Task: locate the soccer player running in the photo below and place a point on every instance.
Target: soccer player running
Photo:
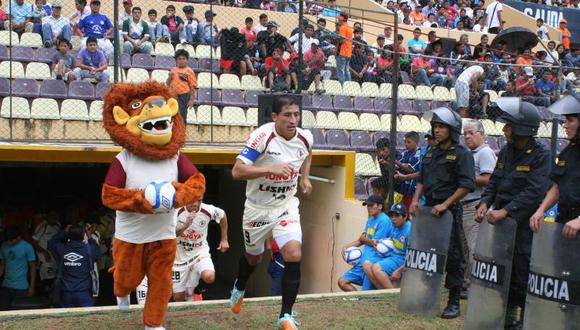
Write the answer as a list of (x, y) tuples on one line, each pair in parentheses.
[(192, 259), (270, 162)]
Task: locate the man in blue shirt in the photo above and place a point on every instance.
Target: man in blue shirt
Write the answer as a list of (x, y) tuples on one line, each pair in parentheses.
[(20, 17), (98, 26), (546, 87), (389, 268), (416, 45), (17, 264), (378, 226)]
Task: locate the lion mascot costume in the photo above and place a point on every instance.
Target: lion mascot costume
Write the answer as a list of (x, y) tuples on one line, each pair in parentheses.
[(145, 121)]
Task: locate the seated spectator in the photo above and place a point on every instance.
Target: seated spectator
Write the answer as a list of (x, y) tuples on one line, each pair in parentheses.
[(478, 99), (267, 5), (40, 10), (270, 39), (98, 27), (525, 58), (182, 83), (263, 26), (466, 82), (136, 34), (126, 13), (56, 27), (91, 62), (82, 11), (480, 26), (234, 54), (314, 60), (18, 265), (209, 30), (526, 89), (464, 20), (441, 18), (451, 13), (407, 168), (388, 31), (248, 30), (428, 9), (421, 70), (380, 43), (457, 58), (510, 90), (499, 76), (307, 39), (378, 227), (441, 71), (278, 71), (546, 87), (156, 31), (287, 6), (430, 22), (417, 16), (481, 47), (19, 17), (384, 63), (359, 65), (173, 25), (191, 26), (76, 282), (62, 63), (416, 45), (3, 16), (388, 269)]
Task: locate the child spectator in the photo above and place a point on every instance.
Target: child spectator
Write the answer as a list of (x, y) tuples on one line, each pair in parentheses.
[(91, 62), (173, 24), (156, 31), (377, 227), (382, 273), (191, 26), (182, 82), (278, 71), (408, 165)]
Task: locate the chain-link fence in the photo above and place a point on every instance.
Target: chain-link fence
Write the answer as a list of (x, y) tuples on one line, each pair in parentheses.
[(344, 70)]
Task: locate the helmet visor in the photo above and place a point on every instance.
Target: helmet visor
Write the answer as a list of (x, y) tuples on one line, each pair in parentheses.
[(510, 105), (444, 115), (568, 105)]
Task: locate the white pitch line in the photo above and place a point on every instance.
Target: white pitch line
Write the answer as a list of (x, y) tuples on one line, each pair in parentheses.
[(56, 311)]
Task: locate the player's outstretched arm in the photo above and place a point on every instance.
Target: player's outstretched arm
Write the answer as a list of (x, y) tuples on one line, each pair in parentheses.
[(242, 171)]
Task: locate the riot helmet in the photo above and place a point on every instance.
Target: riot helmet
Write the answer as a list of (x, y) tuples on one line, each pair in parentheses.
[(446, 117), (567, 106), (523, 117)]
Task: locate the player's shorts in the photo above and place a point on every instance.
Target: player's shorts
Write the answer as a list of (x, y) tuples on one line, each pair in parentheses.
[(186, 275), (355, 275), (282, 223), (390, 264)]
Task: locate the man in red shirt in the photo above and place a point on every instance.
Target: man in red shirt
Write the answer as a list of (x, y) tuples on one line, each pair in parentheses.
[(314, 59), (278, 70)]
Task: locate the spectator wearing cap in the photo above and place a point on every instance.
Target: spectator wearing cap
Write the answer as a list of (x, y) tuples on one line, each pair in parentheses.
[(417, 16), (431, 143), (19, 15), (526, 88), (343, 49), (331, 10), (381, 42), (209, 30), (126, 14), (566, 34), (173, 25), (382, 273), (192, 27), (377, 227), (136, 34), (269, 39), (55, 27), (97, 26), (18, 265)]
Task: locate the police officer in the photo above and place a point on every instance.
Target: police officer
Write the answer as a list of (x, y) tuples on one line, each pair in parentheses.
[(516, 188), (565, 174), (446, 177)]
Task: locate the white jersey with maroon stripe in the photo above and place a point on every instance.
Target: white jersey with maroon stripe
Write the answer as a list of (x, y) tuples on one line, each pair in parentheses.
[(266, 147), (193, 241)]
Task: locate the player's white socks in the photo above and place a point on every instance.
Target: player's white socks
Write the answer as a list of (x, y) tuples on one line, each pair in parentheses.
[(154, 328), (124, 303)]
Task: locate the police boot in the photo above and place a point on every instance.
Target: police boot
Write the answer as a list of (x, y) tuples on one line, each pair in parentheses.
[(511, 318), (453, 309)]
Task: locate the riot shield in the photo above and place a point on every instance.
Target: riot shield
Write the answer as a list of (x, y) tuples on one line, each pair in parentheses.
[(425, 262), (553, 299), (490, 275)]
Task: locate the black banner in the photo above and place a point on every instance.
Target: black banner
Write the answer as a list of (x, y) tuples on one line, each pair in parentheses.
[(554, 288), (487, 271), (551, 16), (429, 262)]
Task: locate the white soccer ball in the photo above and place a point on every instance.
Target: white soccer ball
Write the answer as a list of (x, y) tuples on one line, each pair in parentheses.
[(161, 195), (352, 255), (385, 247)]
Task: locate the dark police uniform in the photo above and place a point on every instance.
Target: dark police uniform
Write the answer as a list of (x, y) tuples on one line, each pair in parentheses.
[(566, 173), (442, 173), (518, 184)]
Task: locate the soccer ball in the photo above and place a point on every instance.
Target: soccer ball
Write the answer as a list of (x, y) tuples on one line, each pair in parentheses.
[(352, 255), (161, 195), (385, 247)]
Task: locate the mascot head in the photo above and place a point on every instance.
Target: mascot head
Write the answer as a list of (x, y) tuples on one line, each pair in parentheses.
[(144, 119)]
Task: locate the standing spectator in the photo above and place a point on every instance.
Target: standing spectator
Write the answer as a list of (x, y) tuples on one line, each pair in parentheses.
[(98, 27), (82, 11), (331, 10), (494, 16), (408, 165), (479, 12), (553, 54), (55, 27), (416, 45), (542, 30), (17, 264), (91, 62), (3, 16), (209, 29), (173, 24), (320, 28), (344, 49), (136, 34), (484, 160), (314, 59), (359, 65), (182, 83), (478, 98), (19, 17), (464, 84), (566, 34), (191, 26), (417, 16), (76, 259), (156, 31), (278, 71), (62, 63), (43, 232)]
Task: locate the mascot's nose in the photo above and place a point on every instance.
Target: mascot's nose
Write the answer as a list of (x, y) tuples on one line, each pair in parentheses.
[(156, 102)]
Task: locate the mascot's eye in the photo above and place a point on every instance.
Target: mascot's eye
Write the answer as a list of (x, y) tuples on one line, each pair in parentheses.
[(136, 105)]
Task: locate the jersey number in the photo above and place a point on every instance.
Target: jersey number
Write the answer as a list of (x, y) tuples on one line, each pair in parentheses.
[(247, 235)]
